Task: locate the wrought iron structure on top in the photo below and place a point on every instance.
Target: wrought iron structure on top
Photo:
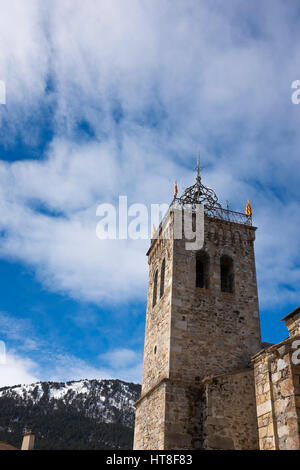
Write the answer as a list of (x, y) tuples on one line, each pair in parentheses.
[(200, 194)]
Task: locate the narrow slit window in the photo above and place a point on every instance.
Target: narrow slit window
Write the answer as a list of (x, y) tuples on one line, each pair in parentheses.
[(202, 270), (155, 289), (162, 278), (227, 274)]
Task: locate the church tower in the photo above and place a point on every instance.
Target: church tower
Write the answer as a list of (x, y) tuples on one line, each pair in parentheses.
[(202, 328)]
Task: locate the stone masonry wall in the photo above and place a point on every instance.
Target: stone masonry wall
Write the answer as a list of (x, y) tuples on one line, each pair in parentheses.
[(213, 332), (149, 432), (192, 333), (277, 383), (292, 322), (150, 409), (218, 413), (183, 422), (158, 318), (231, 421)]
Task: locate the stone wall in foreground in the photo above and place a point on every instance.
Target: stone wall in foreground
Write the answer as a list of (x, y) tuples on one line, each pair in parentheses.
[(277, 384)]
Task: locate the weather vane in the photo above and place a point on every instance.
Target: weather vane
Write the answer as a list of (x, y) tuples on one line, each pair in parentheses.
[(198, 169)]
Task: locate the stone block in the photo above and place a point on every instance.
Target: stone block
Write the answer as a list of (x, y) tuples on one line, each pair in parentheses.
[(264, 408), (221, 443)]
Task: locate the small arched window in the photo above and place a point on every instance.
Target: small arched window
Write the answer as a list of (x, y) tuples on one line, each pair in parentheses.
[(162, 278), (202, 270), (155, 288), (227, 274)]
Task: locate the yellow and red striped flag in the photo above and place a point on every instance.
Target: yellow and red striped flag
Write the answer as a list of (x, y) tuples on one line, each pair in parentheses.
[(248, 209), (175, 189)]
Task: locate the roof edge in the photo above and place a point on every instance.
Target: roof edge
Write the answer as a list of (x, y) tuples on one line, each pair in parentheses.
[(290, 315)]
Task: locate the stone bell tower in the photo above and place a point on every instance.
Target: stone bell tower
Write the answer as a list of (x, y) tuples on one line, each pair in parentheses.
[(202, 328)]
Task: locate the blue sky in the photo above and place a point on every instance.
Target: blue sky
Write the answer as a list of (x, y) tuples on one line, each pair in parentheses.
[(115, 98)]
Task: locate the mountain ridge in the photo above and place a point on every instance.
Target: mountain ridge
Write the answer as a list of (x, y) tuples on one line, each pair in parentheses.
[(78, 414)]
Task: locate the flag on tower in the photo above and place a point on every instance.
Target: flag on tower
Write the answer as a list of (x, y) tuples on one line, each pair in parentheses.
[(175, 189), (248, 209), (153, 230)]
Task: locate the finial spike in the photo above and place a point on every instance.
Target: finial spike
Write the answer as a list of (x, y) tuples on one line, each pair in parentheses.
[(198, 168)]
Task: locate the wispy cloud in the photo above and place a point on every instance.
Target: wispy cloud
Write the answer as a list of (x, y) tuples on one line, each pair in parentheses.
[(16, 331), (119, 357), (18, 370), (30, 358), (131, 91), (67, 367)]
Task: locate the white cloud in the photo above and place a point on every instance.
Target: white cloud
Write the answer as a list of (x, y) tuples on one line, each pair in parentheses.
[(17, 370), (63, 367), (277, 255), (119, 357), (24, 55), (65, 251), (66, 367), (54, 365), (27, 358), (17, 331), (181, 75)]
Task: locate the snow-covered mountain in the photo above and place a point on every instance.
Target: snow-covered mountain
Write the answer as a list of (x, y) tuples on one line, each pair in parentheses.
[(100, 413)]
